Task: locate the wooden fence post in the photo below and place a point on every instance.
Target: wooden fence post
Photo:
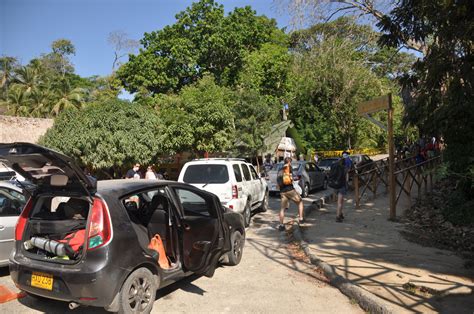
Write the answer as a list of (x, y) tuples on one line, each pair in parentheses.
[(391, 160), (356, 190)]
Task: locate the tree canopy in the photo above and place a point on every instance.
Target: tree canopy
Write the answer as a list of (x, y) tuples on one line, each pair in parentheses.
[(198, 119), (114, 134), (203, 40)]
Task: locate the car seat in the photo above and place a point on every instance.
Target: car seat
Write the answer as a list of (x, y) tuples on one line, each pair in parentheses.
[(158, 223)]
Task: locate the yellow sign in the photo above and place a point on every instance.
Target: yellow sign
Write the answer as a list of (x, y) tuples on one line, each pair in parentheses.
[(373, 105), (42, 280)]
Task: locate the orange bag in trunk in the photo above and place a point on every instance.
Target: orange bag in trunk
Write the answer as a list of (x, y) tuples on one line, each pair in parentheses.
[(156, 244)]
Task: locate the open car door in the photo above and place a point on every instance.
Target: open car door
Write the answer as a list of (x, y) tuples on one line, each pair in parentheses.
[(202, 229), (48, 169)]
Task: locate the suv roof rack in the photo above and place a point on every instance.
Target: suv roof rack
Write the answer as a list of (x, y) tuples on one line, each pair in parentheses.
[(226, 159)]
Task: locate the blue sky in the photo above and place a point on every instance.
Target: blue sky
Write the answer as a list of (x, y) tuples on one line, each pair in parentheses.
[(27, 27)]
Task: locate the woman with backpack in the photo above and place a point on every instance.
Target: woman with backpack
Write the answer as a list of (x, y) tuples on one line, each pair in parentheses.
[(288, 192)]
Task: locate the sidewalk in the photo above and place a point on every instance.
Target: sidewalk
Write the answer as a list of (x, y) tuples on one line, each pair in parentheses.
[(368, 250)]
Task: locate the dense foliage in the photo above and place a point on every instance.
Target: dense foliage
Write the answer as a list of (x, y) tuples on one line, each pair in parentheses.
[(203, 40), (198, 119), (441, 83), (48, 84), (217, 81), (110, 135), (336, 66)]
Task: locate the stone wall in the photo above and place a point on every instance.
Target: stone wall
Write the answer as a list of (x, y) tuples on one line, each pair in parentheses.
[(20, 129)]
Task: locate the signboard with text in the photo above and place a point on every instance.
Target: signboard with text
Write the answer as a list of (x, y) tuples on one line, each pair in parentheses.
[(373, 105)]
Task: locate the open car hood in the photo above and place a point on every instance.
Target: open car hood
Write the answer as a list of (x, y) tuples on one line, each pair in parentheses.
[(49, 170)]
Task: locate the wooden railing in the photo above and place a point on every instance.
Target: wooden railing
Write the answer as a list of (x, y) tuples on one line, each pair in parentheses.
[(374, 177)]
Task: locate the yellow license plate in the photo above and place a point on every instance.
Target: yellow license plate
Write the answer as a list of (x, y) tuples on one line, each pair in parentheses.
[(42, 280)]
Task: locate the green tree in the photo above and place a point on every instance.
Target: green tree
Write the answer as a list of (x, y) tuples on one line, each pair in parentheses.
[(8, 66), (27, 78), (111, 135), (326, 85), (254, 115), (441, 82), (17, 102), (266, 70), (201, 41), (199, 119), (67, 97)]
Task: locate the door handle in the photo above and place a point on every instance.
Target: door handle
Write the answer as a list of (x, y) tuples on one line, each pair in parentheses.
[(2, 228), (187, 227)]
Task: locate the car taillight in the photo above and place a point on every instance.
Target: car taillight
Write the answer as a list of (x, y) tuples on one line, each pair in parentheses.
[(21, 223), (100, 229), (235, 192)]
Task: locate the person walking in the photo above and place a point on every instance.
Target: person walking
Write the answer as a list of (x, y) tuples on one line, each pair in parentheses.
[(338, 180), (288, 192)]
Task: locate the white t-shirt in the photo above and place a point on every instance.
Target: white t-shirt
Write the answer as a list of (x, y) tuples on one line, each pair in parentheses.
[(150, 175)]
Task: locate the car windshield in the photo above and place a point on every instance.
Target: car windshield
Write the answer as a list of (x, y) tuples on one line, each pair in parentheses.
[(206, 174), (326, 162)]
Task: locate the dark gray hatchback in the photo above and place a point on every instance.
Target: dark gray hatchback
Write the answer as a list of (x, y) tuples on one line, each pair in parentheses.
[(113, 245)]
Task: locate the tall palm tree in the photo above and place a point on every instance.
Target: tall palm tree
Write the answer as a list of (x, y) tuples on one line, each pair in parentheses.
[(27, 77), (41, 102), (67, 97), (7, 66), (18, 102)]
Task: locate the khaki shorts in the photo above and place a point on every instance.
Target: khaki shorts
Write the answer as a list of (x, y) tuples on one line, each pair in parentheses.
[(287, 196)]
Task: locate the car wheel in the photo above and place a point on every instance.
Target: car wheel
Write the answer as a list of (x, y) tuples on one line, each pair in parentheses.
[(305, 192), (325, 184), (138, 292), (237, 242), (264, 206), (247, 214)]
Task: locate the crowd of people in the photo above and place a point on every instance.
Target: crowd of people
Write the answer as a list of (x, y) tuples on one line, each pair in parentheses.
[(150, 173), (422, 149)]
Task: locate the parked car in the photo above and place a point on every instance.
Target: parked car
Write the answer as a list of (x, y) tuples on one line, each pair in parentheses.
[(12, 201), (306, 174), (90, 244), (233, 180), (361, 162), (326, 163)]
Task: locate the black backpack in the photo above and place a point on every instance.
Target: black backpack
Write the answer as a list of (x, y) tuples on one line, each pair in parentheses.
[(337, 176)]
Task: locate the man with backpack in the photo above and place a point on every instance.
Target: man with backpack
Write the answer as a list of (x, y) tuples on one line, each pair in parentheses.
[(288, 192), (338, 177)]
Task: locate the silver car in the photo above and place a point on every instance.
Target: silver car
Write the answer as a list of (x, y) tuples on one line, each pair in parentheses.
[(306, 174), (12, 201)]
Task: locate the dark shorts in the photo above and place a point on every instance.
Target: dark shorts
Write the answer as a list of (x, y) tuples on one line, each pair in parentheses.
[(342, 190)]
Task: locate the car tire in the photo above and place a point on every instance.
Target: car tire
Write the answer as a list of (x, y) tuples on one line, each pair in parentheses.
[(237, 241), (247, 214), (138, 292), (305, 192), (264, 207)]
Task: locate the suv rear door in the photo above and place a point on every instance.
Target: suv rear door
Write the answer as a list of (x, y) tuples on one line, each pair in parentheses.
[(209, 176), (201, 229)]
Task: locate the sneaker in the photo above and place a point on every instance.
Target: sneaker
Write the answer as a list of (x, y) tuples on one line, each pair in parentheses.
[(281, 227), (301, 221), (339, 219)]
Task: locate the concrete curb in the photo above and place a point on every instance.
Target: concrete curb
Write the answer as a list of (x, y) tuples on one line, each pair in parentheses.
[(366, 300)]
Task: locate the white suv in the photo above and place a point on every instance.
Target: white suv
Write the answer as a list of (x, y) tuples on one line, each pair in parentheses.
[(234, 181)]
